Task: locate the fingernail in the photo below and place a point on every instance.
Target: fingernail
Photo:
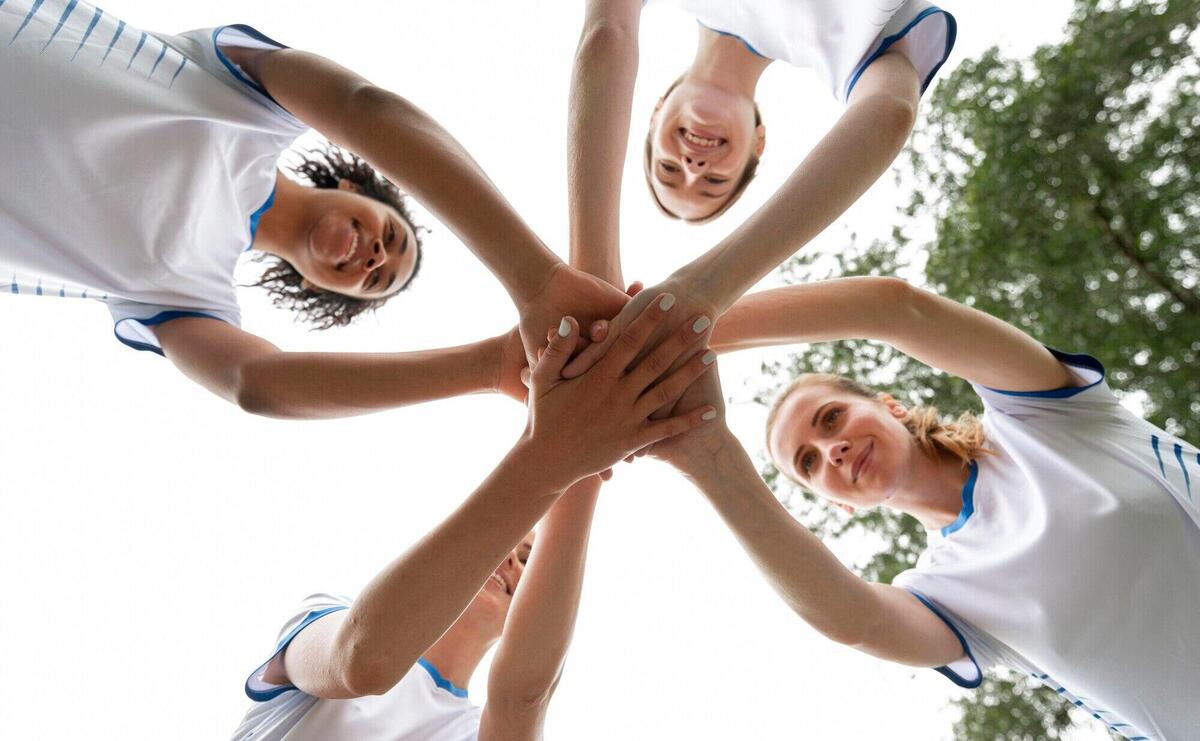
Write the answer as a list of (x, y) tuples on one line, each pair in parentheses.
[(564, 328), (700, 325), (666, 302), (710, 415), (709, 357)]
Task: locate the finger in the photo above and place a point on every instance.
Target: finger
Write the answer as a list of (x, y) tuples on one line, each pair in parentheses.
[(672, 426), (591, 355), (668, 353), (634, 288), (599, 330), (631, 340), (525, 376), (556, 354), (606, 474), (666, 392)]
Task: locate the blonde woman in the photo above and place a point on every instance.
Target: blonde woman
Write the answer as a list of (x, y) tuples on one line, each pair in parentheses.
[(1064, 532)]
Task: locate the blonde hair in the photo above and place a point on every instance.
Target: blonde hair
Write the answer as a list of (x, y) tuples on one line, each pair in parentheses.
[(963, 438)]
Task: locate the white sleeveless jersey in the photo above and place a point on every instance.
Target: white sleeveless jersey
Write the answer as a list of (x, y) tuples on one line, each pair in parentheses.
[(423, 706), (1076, 557), (136, 164), (836, 38)]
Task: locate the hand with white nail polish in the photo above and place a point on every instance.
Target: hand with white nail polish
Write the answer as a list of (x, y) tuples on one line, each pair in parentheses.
[(582, 426), (701, 444)]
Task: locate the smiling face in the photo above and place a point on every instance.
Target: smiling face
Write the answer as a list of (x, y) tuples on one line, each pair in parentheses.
[(701, 143), (851, 449), (489, 609), (356, 246)]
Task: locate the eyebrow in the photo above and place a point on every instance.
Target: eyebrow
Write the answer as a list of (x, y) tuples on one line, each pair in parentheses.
[(818, 412), (664, 183)]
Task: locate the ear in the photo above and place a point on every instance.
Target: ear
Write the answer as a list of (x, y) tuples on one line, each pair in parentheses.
[(847, 508), (897, 410), (760, 140), (349, 185), (305, 285)]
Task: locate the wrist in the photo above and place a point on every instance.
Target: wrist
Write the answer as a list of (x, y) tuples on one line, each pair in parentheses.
[(697, 280), (543, 472), (537, 273), (706, 455)]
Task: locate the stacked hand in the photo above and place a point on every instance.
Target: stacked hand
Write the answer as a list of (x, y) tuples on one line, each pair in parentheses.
[(569, 292), (584, 425)]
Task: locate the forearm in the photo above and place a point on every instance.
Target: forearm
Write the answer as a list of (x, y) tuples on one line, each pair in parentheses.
[(417, 154), (301, 385), (839, 169), (839, 309), (541, 619), (808, 577), (411, 602), (601, 99)]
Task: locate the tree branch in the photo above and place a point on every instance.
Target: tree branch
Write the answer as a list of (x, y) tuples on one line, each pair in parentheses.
[(1189, 300)]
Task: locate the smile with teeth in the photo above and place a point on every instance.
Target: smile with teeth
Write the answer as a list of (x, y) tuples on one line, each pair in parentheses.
[(701, 141), (349, 253), (861, 463), (501, 583)]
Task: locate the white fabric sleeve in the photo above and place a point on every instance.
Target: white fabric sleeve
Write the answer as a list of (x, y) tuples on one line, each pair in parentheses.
[(313, 608), (134, 322), (1090, 393), (931, 33)]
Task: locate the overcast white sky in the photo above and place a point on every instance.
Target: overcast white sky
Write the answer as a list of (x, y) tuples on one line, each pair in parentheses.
[(153, 538)]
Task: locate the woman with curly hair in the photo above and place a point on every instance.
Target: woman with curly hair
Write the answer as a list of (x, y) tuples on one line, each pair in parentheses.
[(1064, 530), (141, 166)]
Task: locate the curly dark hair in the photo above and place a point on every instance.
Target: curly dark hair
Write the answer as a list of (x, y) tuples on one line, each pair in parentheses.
[(325, 168), (747, 175)]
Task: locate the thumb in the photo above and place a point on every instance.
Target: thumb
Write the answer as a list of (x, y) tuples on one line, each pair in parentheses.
[(634, 288), (558, 352)]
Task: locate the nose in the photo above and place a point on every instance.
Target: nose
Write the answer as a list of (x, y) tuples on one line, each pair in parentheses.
[(836, 452), (377, 257), (694, 165)]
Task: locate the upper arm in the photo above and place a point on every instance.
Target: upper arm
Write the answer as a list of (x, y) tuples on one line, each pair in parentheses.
[(903, 630), (212, 353), (623, 14), (512, 721), (970, 343), (310, 661), (890, 81)]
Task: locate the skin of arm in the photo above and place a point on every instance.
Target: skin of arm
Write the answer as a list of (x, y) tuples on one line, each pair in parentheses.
[(847, 161), (575, 429), (262, 379), (423, 159), (877, 619), (541, 620), (601, 100), (941, 333)]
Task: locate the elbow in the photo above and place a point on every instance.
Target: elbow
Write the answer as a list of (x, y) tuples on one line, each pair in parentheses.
[(605, 39), (252, 393), (528, 696), (362, 675), (893, 117)]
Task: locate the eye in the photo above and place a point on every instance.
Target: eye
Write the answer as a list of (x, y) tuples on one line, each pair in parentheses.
[(391, 236), (807, 461), (668, 167), (716, 181), (373, 279), (831, 417)]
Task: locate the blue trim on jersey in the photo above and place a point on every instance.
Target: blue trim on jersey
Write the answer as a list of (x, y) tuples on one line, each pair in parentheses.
[(158, 61), (66, 14), (968, 502), (233, 68), (276, 691), (944, 671), (951, 37), (32, 12), (111, 44), (1187, 479), (181, 66), (1079, 360), (87, 34), (138, 50), (439, 680), (254, 217), (1162, 470), (159, 318), (745, 43)]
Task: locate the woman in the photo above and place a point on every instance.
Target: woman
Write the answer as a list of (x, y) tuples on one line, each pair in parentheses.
[(706, 136), (392, 664), (1064, 534), (141, 166)]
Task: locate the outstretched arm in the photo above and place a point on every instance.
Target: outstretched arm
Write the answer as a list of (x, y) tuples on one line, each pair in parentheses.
[(941, 333), (262, 379), (601, 98), (541, 620), (852, 156)]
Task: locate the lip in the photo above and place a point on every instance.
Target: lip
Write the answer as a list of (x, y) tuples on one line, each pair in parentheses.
[(502, 582), (352, 244), (687, 136), (863, 460)]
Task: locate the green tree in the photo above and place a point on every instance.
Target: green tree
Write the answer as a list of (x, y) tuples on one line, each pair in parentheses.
[(1060, 194)]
